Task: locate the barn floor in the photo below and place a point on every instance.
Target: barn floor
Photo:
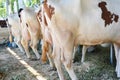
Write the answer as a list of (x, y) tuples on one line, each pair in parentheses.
[(15, 66)]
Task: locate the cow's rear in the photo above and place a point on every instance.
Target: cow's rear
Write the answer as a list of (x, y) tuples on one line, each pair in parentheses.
[(81, 22)]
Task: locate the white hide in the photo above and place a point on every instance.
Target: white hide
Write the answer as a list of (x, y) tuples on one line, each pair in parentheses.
[(79, 22)]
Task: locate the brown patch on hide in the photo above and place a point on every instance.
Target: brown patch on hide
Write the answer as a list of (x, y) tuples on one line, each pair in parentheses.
[(44, 51), (107, 16), (48, 9), (39, 14)]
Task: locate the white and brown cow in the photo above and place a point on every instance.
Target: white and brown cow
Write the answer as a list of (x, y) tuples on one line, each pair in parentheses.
[(14, 28), (81, 22), (31, 30), (46, 41)]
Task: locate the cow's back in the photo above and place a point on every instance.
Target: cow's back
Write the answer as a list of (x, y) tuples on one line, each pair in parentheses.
[(29, 17), (100, 22), (86, 20)]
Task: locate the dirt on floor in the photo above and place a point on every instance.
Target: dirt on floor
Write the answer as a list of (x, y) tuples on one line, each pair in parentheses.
[(96, 66)]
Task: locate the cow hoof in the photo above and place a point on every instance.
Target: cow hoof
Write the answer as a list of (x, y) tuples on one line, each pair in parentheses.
[(33, 59), (118, 74), (52, 69), (38, 58)]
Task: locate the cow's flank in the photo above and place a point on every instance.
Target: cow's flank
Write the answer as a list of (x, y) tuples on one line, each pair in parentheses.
[(86, 21)]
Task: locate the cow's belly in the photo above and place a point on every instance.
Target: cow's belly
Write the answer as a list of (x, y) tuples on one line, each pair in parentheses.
[(97, 34)]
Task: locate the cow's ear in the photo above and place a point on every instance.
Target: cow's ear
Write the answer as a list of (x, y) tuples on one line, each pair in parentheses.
[(19, 11)]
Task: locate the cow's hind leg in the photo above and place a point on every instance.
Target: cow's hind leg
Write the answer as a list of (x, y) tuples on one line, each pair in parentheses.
[(18, 42), (57, 62), (49, 55), (34, 46), (68, 63), (26, 47), (117, 54)]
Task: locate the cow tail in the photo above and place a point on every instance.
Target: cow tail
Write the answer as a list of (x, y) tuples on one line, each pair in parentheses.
[(10, 32), (44, 51)]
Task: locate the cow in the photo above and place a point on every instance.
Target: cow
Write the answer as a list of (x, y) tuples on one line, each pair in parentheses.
[(81, 22), (46, 42), (31, 30), (14, 28)]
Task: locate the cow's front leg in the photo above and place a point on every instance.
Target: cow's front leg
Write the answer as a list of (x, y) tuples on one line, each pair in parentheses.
[(117, 55), (84, 50)]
